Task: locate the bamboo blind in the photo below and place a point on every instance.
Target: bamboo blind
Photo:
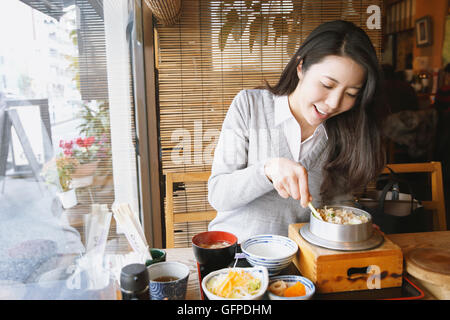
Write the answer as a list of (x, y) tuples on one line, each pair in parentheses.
[(93, 84), (92, 52), (217, 49)]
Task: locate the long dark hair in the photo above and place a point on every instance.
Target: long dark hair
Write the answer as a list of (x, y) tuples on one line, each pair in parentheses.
[(355, 148)]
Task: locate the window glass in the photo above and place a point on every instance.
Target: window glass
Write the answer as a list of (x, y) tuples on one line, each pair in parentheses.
[(66, 142)]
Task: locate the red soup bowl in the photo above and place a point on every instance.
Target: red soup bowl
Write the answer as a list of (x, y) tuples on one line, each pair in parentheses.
[(214, 249)]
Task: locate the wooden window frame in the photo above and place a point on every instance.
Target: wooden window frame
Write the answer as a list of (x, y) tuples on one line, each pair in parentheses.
[(147, 129)]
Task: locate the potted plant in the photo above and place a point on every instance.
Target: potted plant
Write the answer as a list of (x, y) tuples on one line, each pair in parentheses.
[(59, 172), (96, 144), (84, 151)]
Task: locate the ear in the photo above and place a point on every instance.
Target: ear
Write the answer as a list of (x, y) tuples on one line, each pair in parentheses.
[(300, 70)]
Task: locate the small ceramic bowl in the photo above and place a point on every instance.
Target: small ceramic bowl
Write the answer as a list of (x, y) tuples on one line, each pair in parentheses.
[(165, 289), (158, 255), (291, 280), (214, 258), (257, 272), (271, 251)]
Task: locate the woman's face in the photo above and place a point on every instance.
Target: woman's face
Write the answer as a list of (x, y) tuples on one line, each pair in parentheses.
[(327, 89)]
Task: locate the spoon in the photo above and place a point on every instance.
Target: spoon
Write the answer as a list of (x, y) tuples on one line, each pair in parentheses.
[(314, 211)]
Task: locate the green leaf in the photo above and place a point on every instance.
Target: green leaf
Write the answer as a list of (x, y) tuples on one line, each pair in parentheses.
[(257, 6), (265, 31), (239, 27), (259, 31), (223, 35), (255, 31), (232, 19), (279, 25), (293, 39)]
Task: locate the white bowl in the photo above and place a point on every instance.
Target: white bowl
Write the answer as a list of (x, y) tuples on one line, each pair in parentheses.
[(271, 251), (257, 272), (292, 279)]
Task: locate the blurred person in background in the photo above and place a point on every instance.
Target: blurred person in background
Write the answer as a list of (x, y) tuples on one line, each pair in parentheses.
[(400, 95)]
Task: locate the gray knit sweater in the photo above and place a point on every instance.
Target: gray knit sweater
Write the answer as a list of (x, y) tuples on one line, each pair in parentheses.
[(246, 201)]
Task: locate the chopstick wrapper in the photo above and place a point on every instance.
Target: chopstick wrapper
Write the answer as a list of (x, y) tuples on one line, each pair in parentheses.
[(91, 266), (115, 262), (98, 228), (127, 220)]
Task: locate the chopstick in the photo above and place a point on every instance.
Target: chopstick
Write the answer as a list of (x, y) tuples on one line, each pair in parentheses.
[(314, 211)]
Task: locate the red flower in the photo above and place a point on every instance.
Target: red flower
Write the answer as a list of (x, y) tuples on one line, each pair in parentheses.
[(86, 142), (89, 141), (66, 145), (80, 142), (68, 152)]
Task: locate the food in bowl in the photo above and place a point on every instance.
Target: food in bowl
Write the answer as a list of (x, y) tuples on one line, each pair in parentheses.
[(341, 216), (236, 284), (214, 249), (290, 287), (259, 273), (286, 289), (215, 245)]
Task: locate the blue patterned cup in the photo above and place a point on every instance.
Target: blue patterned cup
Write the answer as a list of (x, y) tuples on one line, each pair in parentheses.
[(168, 280)]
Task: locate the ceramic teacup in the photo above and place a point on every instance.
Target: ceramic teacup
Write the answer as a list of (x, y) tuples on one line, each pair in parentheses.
[(168, 280), (158, 255)]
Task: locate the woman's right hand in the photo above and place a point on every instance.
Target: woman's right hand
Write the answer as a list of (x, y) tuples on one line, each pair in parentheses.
[(289, 178)]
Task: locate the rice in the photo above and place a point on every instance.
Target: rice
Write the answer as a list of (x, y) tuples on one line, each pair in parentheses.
[(341, 216)]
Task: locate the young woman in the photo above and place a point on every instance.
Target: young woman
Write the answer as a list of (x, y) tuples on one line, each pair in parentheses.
[(311, 137)]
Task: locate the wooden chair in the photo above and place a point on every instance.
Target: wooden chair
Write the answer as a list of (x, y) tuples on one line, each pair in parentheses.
[(437, 203), (170, 217)]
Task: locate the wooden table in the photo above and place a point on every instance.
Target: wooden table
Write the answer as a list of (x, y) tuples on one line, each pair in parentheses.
[(407, 242), (186, 256)]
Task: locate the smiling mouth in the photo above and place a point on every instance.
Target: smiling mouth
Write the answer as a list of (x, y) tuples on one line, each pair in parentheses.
[(320, 112)]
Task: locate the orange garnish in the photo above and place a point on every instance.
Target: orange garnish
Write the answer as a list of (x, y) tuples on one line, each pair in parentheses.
[(297, 290)]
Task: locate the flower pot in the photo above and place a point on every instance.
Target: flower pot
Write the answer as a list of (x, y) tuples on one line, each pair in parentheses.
[(81, 182), (103, 180), (83, 176), (68, 199), (85, 169)]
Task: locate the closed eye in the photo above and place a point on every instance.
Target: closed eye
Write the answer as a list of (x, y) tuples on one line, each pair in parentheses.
[(330, 87)]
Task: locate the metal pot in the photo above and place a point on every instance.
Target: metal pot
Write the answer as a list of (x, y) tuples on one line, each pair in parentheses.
[(342, 232)]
